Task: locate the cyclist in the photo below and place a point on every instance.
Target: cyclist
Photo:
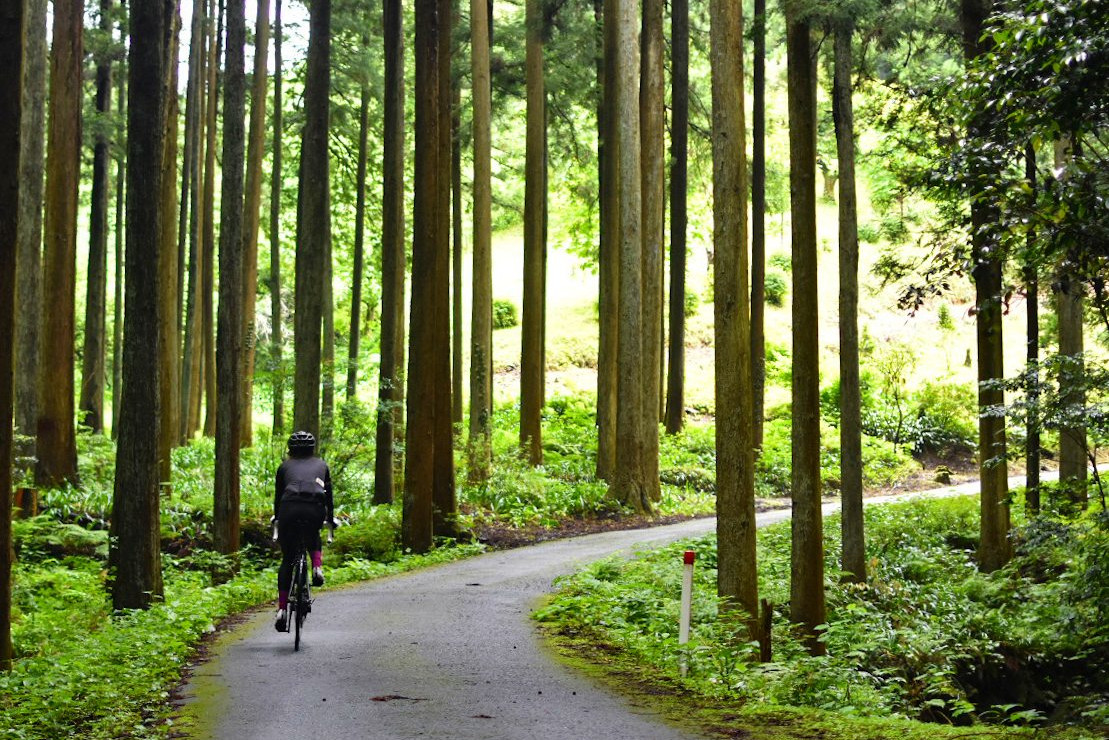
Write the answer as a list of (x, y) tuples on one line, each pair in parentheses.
[(302, 502)]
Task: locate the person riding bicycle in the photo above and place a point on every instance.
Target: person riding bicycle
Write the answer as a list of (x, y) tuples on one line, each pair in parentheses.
[(302, 502)]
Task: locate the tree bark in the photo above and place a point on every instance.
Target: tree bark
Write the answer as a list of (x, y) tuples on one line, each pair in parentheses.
[(134, 554), (313, 223), (444, 506), (276, 311), (96, 301), (169, 353), (390, 384), (255, 154), (421, 437), (229, 338), (758, 222), (850, 404), (117, 305), (481, 322), (610, 239), (13, 28), (994, 548), (28, 262), (208, 279), (56, 444), (652, 122), (629, 485), (1032, 289), (359, 241), (533, 353), (679, 186), (327, 369), (191, 195), (737, 575), (806, 591), (457, 335)]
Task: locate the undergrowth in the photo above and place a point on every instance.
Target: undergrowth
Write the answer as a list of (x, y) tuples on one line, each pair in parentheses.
[(928, 637)]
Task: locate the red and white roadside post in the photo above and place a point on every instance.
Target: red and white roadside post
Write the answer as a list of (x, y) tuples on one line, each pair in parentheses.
[(687, 604)]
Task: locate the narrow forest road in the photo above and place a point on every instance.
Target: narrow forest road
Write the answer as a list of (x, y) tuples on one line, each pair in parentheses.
[(447, 652)]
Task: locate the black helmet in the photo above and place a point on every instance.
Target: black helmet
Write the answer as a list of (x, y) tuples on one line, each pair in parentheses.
[(302, 442)]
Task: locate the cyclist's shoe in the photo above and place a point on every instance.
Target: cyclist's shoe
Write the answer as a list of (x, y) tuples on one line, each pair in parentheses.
[(317, 576), (280, 624)]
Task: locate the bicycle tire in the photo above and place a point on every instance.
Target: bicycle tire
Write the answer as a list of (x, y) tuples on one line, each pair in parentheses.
[(299, 584)]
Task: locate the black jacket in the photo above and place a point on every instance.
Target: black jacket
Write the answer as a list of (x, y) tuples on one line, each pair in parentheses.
[(304, 479)]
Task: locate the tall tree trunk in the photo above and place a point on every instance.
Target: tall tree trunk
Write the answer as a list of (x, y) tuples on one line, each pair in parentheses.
[(533, 359), (191, 194), (481, 321), (457, 338), (421, 437), (168, 346), (806, 591), (610, 240), (229, 338), (444, 506), (629, 485), (12, 32), (359, 241), (1069, 294), (313, 222), (276, 311), (758, 221), (1032, 289), (56, 444), (652, 122), (134, 554), (390, 399), (327, 369), (117, 303), (28, 263), (994, 548), (737, 576), (850, 404), (255, 153), (679, 186), (208, 279), (96, 302)]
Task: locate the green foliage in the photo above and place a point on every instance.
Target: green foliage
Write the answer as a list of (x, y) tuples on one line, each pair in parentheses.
[(691, 303), (505, 315), (776, 287), (781, 261), (927, 637), (373, 535), (943, 318)]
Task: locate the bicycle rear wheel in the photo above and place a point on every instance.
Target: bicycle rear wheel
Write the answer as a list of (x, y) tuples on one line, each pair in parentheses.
[(300, 598)]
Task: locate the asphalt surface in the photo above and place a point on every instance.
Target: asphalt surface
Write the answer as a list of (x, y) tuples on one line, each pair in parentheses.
[(447, 652)]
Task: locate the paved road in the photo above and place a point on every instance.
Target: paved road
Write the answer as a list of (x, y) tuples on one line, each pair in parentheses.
[(447, 652)]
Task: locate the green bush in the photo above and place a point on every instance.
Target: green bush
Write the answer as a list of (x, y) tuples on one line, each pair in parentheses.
[(782, 261), (776, 287), (372, 535), (692, 303), (505, 315)]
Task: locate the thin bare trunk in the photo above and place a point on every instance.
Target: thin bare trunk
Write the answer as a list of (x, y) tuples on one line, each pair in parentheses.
[(850, 424), (758, 222), (806, 591), (12, 29), (28, 263), (56, 444), (652, 121), (134, 556), (390, 388), (628, 484), (481, 322), (359, 241), (610, 239), (208, 279), (168, 347), (92, 364), (276, 311), (117, 307), (457, 339), (327, 370), (255, 154), (679, 185), (737, 577), (533, 360), (1032, 290), (421, 437), (313, 222)]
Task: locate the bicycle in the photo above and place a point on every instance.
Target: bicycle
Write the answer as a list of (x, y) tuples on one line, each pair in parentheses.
[(299, 604)]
